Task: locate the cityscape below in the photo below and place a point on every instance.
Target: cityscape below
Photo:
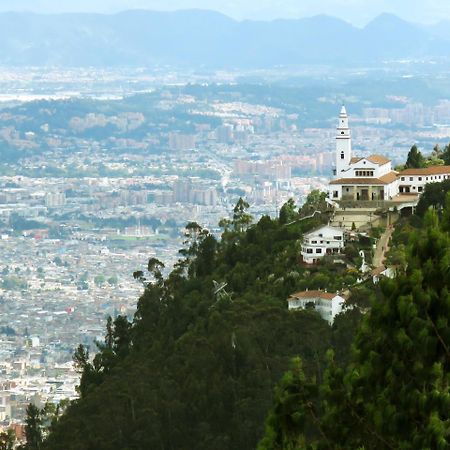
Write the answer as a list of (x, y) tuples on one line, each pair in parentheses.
[(101, 169)]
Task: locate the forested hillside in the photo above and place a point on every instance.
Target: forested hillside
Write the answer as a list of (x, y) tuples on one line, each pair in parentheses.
[(197, 366), (394, 393)]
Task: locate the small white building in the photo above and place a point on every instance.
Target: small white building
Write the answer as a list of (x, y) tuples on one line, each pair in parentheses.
[(413, 181), (323, 241), (382, 272), (326, 304)]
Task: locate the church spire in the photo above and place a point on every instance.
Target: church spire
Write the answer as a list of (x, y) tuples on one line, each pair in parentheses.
[(343, 143), (343, 119)]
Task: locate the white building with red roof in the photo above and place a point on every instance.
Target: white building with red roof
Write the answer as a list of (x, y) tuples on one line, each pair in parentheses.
[(360, 178), (371, 178), (328, 305), (413, 181)]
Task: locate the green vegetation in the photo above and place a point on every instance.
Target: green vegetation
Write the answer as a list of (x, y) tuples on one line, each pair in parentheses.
[(197, 365), (394, 392), (37, 424), (415, 158), (7, 440), (14, 283), (434, 195)]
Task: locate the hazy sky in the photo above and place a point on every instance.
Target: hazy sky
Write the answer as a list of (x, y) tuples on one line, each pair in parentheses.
[(358, 12)]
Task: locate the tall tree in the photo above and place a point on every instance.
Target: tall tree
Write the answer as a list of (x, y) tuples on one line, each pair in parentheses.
[(241, 218), (415, 159), (288, 212), (446, 155), (33, 428)]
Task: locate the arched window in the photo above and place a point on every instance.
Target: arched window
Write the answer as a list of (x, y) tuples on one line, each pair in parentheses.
[(342, 155)]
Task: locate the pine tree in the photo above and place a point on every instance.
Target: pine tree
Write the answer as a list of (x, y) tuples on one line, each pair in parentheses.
[(395, 392), (446, 154), (33, 428), (415, 158)]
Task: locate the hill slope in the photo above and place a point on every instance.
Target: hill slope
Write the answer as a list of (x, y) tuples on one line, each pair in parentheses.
[(196, 369)]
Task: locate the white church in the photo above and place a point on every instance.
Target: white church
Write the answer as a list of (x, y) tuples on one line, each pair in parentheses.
[(371, 178), (366, 179)]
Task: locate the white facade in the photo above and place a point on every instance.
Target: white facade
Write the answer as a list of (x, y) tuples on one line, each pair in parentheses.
[(370, 167), (343, 143), (5, 405), (323, 241), (360, 179), (414, 180), (382, 272), (327, 305)]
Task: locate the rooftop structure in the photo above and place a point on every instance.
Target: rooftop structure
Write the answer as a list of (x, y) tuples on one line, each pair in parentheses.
[(328, 305)]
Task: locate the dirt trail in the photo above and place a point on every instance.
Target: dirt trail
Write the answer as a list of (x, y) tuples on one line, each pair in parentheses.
[(382, 247)]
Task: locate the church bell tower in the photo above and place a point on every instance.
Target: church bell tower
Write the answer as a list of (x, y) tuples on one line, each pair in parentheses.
[(343, 144)]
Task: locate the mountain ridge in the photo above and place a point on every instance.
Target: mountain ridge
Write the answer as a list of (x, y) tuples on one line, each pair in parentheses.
[(203, 38)]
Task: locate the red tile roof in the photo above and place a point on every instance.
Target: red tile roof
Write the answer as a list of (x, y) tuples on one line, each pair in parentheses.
[(385, 179), (376, 159), (313, 294), (432, 170), (389, 177)]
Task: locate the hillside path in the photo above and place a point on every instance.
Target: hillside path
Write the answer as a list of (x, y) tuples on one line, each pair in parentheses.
[(382, 247)]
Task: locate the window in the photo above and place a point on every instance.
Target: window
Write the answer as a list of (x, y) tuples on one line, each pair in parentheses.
[(410, 178), (420, 189), (314, 242), (309, 250), (320, 235), (342, 155), (335, 194), (342, 132), (337, 238), (420, 178), (318, 250), (403, 178), (426, 178), (364, 173)]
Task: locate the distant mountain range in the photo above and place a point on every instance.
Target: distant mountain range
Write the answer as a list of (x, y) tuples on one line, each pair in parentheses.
[(209, 39)]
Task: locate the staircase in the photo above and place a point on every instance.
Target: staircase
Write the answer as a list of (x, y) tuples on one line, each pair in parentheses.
[(361, 217)]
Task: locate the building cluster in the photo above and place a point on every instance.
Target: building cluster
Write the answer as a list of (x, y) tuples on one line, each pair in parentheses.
[(365, 185), (410, 114), (371, 178)]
